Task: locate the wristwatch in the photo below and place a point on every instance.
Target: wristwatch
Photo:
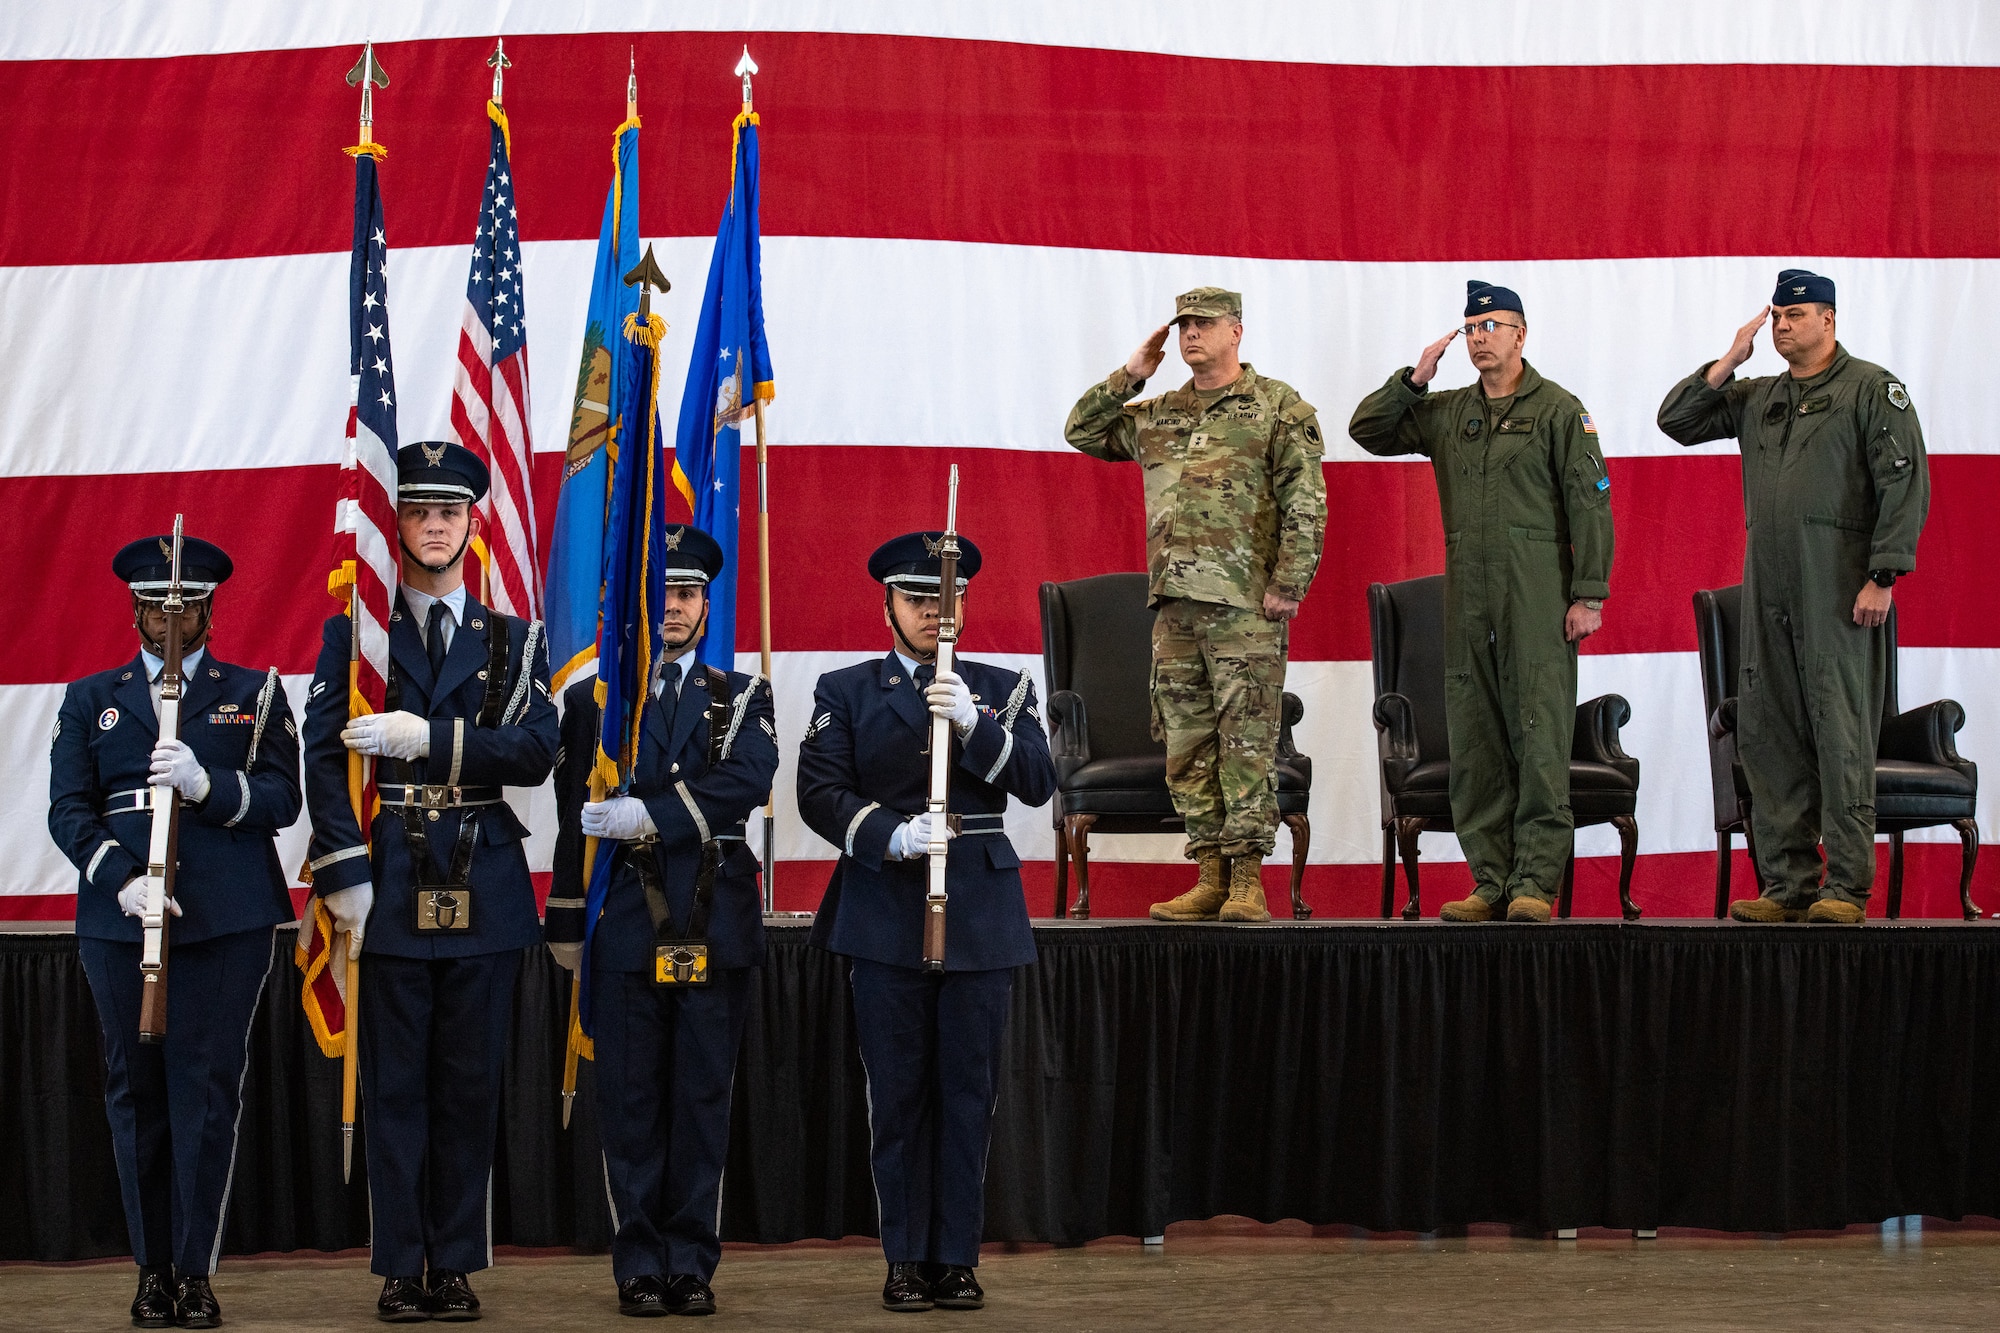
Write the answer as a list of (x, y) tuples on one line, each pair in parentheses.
[(1591, 603), (1882, 578)]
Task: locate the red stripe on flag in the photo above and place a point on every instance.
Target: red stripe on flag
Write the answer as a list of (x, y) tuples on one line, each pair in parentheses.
[(1020, 144)]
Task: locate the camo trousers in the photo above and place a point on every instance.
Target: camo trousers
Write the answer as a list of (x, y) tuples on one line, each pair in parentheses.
[(1218, 692)]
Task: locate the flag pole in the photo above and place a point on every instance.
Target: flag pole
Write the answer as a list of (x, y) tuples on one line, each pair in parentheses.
[(746, 67), (369, 75)]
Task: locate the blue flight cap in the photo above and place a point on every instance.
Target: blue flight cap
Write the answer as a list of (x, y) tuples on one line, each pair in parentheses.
[(692, 556), (441, 472), (911, 562), (147, 566), (1797, 286), (1483, 298)]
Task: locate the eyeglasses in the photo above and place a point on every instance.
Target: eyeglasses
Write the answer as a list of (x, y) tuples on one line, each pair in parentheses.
[(1488, 325)]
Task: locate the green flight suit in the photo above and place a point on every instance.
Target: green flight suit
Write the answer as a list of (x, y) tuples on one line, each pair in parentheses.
[(1235, 504), (1835, 484), (1527, 531)]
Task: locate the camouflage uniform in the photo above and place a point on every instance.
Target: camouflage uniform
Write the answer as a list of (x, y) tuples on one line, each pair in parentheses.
[(1235, 504)]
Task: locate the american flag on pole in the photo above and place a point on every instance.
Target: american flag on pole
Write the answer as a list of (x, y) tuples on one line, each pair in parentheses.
[(489, 410), (366, 567)]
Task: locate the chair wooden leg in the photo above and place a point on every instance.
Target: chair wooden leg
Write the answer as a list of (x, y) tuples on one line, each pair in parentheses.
[(1406, 838), (1079, 851), (1628, 854), (1063, 869), (1968, 835), (1301, 828), (1569, 881), (1388, 869), (1723, 854), (1896, 875)]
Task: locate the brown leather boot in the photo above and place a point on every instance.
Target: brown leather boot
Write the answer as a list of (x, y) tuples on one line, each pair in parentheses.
[(1246, 891), (1201, 902), (1838, 911), (1528, 909), (1474, 908), (1763, 911)]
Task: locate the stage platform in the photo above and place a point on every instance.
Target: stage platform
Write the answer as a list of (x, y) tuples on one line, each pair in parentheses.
[(1396, 1077)]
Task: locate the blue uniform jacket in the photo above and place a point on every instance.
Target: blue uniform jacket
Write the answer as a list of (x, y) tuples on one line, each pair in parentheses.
[(863, 771), (239, 725), (675, 781), (518, 752)]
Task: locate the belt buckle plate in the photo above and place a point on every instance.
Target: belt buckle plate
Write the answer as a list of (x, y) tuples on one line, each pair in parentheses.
[(436, 798)]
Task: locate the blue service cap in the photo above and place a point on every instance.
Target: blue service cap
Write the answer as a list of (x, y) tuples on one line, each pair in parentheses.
[(1483, 298), (441, 471), (147, 565), (911, 562), (1796, 286), (692, 556)]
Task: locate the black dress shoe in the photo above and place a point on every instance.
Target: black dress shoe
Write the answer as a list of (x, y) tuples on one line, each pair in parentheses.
[(451, 1296), (153, 1307), (644, 1296), (906, 1291), (955, 1288), (688, 1294), (194, 1304), (403, 1301)]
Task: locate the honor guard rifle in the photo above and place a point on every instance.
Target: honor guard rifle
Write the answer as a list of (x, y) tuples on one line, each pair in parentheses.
[(940, 846), (163, 849)]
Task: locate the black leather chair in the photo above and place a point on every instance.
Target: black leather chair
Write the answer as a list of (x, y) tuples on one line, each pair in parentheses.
[(1111, 775), (1921, 781), (1406, 624)]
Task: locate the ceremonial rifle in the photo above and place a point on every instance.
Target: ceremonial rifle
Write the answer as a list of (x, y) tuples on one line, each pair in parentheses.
[(934, 900), (163, 849)]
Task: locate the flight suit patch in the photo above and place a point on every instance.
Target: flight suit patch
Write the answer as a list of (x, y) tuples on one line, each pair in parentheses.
[(107, 719), (1898, 396), (1812, 405), (1472, 428), (1589, 426), (1515, 426)]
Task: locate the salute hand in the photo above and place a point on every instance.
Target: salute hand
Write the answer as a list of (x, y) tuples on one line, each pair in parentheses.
[(1739, 350), (1142, 363), (1427, 364)]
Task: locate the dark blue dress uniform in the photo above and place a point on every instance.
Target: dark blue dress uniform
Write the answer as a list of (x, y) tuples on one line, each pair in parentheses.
[(930, 1044), (174, 1106), (436, 1006), (666, 1055)]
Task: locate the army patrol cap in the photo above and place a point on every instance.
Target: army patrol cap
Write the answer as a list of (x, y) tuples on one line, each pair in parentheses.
[(1208, 303), (441, 472), (1483, 298), (911, 562), (692, 556), (147, 567), (1796, 286)]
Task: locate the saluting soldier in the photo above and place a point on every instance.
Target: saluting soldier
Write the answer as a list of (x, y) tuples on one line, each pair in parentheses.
[(669, 951), (930, 1042), (1235, 521), (439, 894), (174, 1105), (1527, 564), (1836, 486)]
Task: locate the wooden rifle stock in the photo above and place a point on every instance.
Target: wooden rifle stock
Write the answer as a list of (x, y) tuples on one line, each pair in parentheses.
[(163, 847), (940, 794)]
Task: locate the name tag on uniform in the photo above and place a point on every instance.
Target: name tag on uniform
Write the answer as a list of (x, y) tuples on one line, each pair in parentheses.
[(681, 963), (1515, 426), (1812, 405)]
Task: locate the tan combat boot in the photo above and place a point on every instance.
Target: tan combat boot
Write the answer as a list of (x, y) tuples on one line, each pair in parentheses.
[(1246, 891), (1201, 902), (1838, 911), (1763, 911), (1525, 908), (1474, 908)]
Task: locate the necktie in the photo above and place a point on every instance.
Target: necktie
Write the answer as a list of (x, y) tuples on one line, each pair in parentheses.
[(434, 639), (924, 675)]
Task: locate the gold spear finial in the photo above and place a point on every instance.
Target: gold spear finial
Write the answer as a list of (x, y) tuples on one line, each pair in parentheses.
[(746, 67), (632, 88), (500, 64), (367, 73)]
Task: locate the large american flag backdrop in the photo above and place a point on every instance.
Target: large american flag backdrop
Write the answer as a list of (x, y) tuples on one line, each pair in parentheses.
[(970, 213)]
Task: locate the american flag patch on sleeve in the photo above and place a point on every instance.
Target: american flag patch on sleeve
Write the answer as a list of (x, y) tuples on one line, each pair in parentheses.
[(1589, 426)]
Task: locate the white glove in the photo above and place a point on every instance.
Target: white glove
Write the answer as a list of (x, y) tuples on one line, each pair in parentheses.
[(389, 736), (174, 765), (567, 955), (350, 907), (948, 697), (622, 818), (912, 841), (132, 898)]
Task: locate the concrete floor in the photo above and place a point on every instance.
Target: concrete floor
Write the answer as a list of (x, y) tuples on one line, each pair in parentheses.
[(1259, 1277)]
